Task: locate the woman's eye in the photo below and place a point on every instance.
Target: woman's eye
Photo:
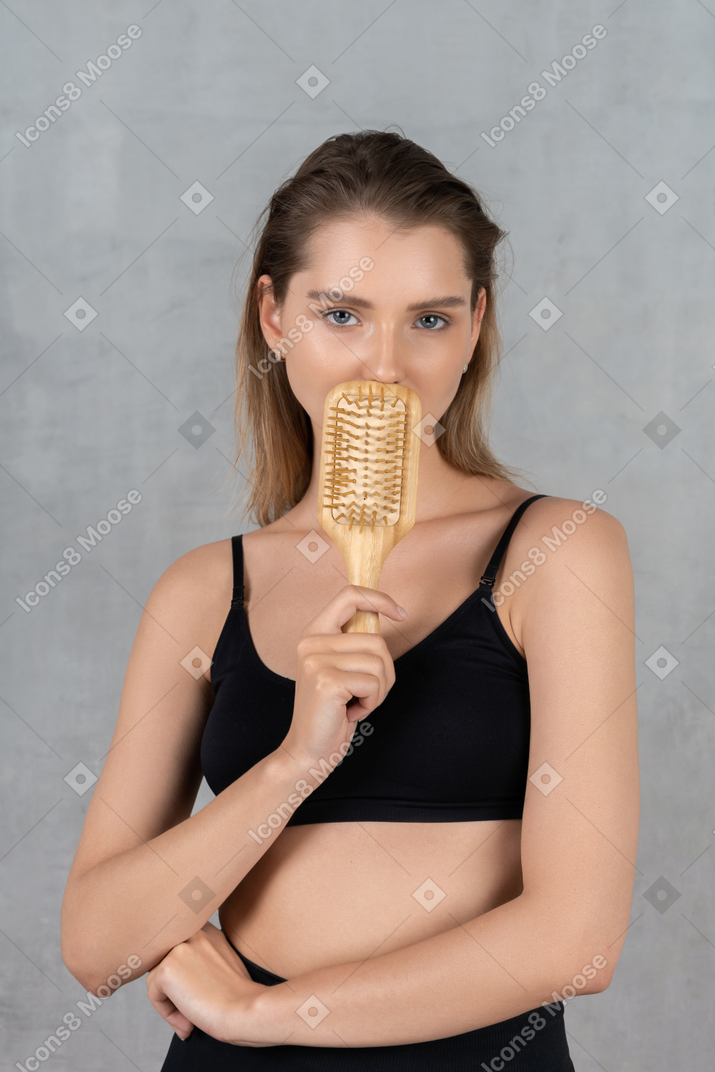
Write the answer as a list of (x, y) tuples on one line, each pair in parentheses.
[(344, 313), (337, 312), (434, 316)]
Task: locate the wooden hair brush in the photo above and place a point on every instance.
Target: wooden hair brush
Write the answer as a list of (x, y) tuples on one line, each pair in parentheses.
[(367, 491)]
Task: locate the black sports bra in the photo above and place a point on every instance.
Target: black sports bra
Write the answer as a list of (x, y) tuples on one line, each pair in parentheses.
[(449, 743)]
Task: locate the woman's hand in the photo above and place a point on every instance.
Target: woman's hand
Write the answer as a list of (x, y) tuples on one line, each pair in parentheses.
[(334, 667), (203, 983)]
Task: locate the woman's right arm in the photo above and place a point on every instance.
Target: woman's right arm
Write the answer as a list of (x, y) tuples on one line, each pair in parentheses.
[(147, 874)]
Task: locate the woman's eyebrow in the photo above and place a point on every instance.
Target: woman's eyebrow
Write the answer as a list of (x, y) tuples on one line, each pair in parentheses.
[(448, 301)]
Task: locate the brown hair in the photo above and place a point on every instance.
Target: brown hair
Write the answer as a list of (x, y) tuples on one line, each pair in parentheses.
[(385, 174)]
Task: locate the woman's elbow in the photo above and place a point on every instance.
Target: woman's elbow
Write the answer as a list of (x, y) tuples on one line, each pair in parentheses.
[(86, 973), (76, 967)]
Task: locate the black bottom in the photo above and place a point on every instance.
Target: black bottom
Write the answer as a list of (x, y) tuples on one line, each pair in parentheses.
[(532, 1042)]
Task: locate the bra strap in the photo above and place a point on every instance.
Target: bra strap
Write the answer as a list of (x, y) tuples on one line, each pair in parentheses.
[(489, 576), (238, 585)]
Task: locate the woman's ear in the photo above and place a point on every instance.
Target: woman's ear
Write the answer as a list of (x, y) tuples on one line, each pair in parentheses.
[(479, 310), (269, 313)]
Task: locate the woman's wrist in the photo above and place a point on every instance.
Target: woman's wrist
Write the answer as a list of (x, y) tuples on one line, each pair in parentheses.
[(254, 1018)]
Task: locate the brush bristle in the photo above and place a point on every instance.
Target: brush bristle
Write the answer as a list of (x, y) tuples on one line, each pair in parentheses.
[(365, 458)]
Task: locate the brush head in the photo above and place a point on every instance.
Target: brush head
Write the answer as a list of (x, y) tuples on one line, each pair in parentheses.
[(368, 464), (367, 488), (364, 437)]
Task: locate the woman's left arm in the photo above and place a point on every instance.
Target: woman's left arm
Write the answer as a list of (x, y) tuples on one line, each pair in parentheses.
[(563, 934)]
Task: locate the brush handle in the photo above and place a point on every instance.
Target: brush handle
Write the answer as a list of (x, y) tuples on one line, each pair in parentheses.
[(364, 567), (363, 621)]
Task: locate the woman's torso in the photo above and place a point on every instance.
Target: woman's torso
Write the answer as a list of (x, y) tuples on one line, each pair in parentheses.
[(328, 893)]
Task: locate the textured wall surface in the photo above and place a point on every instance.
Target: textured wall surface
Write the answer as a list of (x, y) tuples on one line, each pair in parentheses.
[(118, 323)]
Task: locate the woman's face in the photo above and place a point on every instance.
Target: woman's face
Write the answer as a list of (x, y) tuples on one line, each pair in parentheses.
[(405, 319)]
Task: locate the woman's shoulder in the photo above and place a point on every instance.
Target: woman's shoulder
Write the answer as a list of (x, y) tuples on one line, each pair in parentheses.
[(563, 516), (552, 522), (192, 596), (204, 575), (565, 550), (202, 568), (562, 539), (504, 494)]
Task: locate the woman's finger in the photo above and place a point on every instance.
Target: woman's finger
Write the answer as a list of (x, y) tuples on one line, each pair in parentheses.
[(165, 1006), (345, 603)]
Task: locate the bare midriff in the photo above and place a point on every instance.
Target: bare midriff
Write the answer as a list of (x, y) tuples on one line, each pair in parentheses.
[(331, 893)]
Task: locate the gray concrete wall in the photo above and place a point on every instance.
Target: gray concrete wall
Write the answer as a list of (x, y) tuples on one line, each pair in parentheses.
[(91, 210)]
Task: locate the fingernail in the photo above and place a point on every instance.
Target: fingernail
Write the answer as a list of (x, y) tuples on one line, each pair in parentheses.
[(402, 611)]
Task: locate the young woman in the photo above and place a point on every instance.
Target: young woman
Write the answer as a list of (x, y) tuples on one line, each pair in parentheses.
[(430, 901)]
